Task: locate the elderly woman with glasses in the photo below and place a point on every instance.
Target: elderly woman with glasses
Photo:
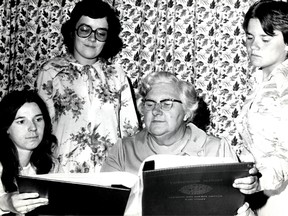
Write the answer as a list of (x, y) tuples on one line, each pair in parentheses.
[(87, 93), (168, 106)]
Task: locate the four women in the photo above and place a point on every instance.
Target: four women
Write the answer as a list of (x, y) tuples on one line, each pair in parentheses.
[(91, 106)]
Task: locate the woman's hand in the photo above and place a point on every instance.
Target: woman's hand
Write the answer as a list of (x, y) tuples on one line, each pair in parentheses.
[(21, 203), (249, 184), (245, 210)]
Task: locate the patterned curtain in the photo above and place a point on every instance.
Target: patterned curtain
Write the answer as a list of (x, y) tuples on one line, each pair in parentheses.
[(200, 41)]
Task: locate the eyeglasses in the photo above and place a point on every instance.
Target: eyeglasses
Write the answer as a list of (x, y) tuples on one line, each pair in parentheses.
[(165, 104), (85, 31)]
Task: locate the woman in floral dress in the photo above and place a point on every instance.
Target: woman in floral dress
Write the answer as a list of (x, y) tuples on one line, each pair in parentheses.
[(87, 93)]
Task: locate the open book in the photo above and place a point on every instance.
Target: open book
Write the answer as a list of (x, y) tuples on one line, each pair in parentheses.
[(187, 185), (193, 190), (80, 193), (174, 185)]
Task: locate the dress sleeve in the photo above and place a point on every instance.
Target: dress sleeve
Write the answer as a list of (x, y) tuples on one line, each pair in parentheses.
[(282, 132), (44, 85), (268, 129), (1, 211), (127, 114), (2, 192), (274, 166)]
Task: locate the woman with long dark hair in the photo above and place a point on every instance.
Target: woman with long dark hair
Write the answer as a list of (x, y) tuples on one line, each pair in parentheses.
[(26, 148)]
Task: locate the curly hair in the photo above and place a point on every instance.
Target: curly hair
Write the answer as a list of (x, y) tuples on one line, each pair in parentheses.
[(41, 157), (95, 9), (273, 15), (187, 91)]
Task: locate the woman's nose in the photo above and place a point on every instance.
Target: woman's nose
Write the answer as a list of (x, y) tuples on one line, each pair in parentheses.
[(157, 109), (255, 44), (92, 36), (32, 126)]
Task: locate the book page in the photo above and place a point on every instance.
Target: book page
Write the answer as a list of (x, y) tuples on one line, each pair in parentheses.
[(170, 161), (104, 179)]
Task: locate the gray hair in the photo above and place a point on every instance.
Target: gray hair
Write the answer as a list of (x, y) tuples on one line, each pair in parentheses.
[(188, 94)]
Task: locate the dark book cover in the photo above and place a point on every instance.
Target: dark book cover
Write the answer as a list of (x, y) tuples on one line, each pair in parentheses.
[(76, 198), (193, 190)]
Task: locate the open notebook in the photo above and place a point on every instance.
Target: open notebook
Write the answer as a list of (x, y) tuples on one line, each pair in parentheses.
[(187, 185), (193, 190), (80, 193)]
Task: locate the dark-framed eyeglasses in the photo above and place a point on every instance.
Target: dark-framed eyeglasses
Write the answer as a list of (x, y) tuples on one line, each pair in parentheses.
[(165, 104), (85, 31)]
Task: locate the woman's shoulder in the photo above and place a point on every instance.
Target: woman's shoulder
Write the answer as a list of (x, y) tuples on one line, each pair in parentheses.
[(54, 66), (213, 145), (281, 77), (221, 147), (58, 61), (135, 142)]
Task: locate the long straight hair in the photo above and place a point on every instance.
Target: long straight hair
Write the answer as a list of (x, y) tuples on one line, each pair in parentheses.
[(41, 157)]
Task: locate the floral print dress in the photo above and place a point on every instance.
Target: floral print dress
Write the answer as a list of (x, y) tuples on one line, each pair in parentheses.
[(90, 107)]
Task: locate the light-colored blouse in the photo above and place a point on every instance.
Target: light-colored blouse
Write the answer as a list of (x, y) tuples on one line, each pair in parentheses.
[(263, 125), (91, 107), (130, 152)]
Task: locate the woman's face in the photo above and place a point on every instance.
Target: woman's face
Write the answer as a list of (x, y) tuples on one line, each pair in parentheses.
[(87, 49), (162, 123), (27, 129), (264, 51)]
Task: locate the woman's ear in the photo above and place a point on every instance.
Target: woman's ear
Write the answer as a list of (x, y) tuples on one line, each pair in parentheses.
[(286, 47), (187, 115)]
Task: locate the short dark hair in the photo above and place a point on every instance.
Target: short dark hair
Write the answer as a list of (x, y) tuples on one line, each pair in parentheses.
[(95, 9), (273, 15), (41, 157)]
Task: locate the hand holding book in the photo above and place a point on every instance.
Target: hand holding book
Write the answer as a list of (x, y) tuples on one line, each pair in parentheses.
[(211, 176), (77, 193), (249, 184)]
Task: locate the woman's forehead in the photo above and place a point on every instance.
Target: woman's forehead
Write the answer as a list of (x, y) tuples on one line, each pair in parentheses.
[(28, 109), (94, 23), (164, 88)]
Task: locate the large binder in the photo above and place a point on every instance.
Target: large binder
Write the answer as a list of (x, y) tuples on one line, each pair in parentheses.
[(193, 190), (70, 195)]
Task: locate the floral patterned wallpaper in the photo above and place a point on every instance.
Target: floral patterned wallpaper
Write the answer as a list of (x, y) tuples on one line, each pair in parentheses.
[(199, 40)]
